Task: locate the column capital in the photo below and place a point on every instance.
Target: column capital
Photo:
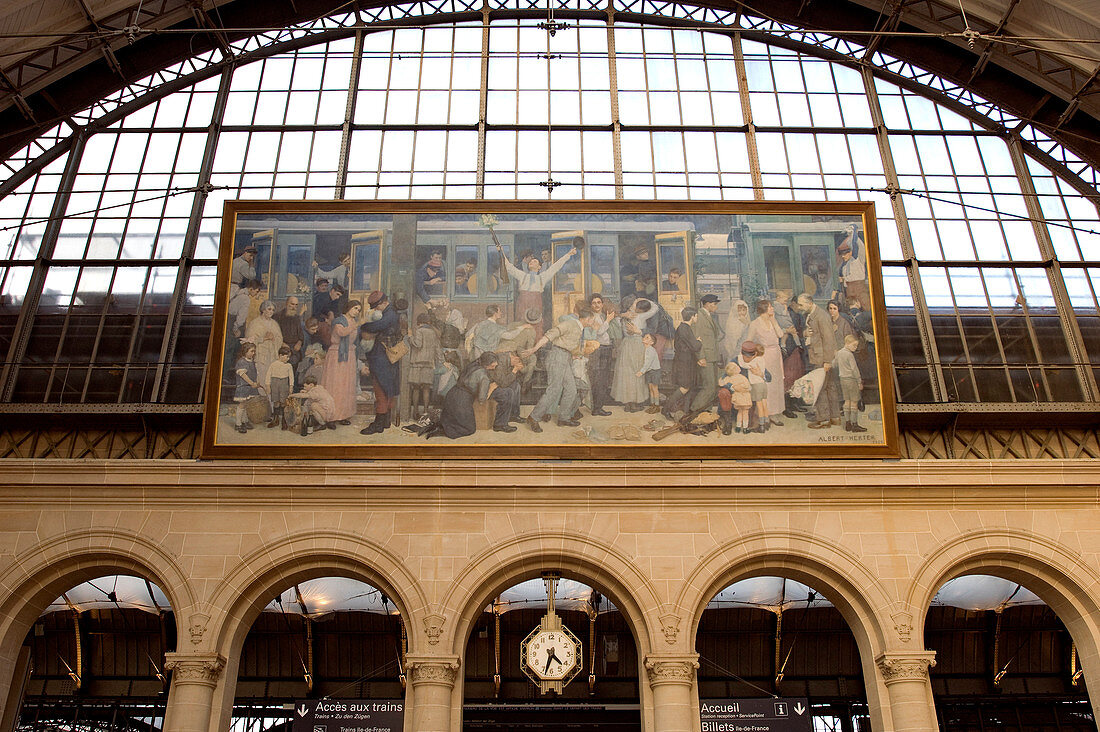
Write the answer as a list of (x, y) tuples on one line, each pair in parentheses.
[(672, 668), (195, 668), (905, 666), (437, 670)]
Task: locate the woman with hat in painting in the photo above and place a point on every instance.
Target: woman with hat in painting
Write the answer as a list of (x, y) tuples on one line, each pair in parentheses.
[(627, 387), (341, 373), (764, 330), (385, 374)]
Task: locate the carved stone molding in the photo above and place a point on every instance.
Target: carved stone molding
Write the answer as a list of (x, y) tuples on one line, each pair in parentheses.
[(189, 668), (898, 667), (438, 671), (903, 625), (671, 669), (433, 628), (197, 627), (670, 626)]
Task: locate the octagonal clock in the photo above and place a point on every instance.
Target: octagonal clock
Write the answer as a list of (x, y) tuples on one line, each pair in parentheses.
[(550, 655)]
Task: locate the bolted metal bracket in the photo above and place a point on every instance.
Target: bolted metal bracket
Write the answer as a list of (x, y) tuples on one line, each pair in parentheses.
[(553, 26)]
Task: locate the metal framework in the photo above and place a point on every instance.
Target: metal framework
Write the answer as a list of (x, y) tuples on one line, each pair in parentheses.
[(689, 101), (182, 443), (127, 35)]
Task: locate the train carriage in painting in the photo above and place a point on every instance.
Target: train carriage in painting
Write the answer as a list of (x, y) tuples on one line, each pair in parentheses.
[(459, 264)]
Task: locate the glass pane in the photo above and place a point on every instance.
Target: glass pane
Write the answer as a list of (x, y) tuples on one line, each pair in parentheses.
[(367, 259)]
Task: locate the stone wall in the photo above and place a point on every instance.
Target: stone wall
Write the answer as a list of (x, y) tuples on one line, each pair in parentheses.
[(877, 538)]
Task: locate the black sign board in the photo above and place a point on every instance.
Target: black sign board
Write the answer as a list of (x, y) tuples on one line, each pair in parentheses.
[(349, 715), (754, 715)]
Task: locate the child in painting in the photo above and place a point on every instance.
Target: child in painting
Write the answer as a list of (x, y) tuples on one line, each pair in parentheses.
[(425, 353), (751, 362), (651, 372), (280, 382), (734, 392), (851, 385), (248, 384), (313, 332), (321, 405)]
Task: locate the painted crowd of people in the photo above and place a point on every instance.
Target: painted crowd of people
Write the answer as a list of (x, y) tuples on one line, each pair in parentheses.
[(767, 362)]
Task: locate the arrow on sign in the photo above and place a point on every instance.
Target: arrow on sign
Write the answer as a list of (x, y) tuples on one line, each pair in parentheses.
[(799, 708), (303, 710)]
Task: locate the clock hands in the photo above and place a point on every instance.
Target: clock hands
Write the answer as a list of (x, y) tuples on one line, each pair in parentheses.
[(551, 655)]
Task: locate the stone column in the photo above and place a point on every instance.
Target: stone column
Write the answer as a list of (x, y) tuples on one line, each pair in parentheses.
[(671, 678), (195, 676), (433, 681), (909, 689)]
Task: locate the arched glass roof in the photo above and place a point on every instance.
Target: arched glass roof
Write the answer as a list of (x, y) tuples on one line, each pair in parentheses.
[(110, 222)]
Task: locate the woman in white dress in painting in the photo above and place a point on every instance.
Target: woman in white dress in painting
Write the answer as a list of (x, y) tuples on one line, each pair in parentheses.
[(266, 334)]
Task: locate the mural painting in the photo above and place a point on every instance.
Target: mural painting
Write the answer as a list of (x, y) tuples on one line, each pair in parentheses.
[(500, 329)]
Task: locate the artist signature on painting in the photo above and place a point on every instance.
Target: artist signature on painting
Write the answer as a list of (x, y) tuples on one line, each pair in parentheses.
[(847, 438)]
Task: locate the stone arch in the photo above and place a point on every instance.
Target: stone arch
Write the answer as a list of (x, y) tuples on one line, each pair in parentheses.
[(830, 569), (1051, 570), (524, 557), (239, 598), (308, 555), (1056, 573), (41, 573), (825, 566)]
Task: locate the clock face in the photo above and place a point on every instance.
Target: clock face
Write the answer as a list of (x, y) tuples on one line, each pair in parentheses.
[(551, 655)]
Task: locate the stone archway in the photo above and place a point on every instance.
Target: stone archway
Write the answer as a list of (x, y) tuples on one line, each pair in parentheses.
[(851, 587), (525, 557), (42, 573), (238, 600), (1055, 573)]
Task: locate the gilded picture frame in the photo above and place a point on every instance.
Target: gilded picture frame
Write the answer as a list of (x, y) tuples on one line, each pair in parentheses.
[(341, 328)]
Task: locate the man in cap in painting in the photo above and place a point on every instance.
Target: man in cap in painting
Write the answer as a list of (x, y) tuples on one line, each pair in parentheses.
[(567, 343), (243, 270), (523, 339), (321, 298), (710, 335), (431, 280), (852, 274), (639, 276), (385, 375), (599, 363), (821, 347)]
